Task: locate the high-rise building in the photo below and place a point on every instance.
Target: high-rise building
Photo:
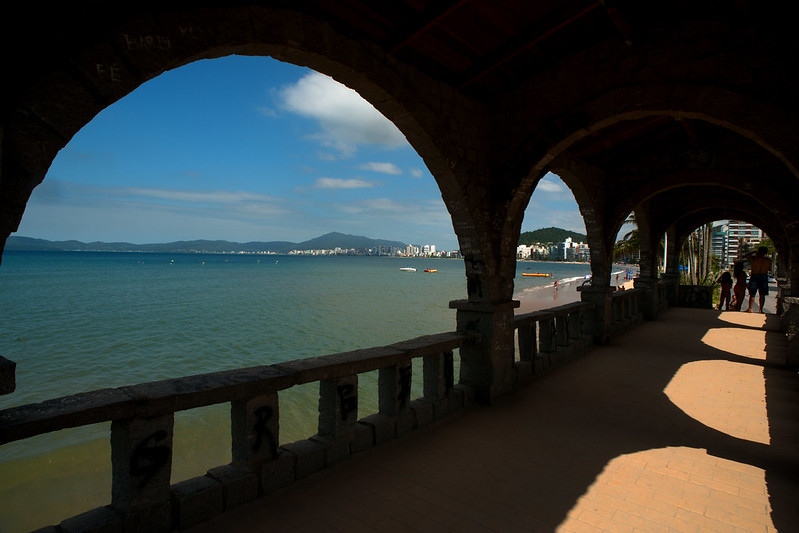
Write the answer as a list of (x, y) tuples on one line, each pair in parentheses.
[(741, 237)]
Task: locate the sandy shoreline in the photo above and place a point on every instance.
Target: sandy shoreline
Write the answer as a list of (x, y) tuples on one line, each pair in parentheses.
[(548, 296)]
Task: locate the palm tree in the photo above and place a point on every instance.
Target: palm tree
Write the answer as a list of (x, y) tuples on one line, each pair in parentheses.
[(629, 245)]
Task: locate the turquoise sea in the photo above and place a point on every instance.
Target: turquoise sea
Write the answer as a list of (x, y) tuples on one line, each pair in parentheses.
[(78, 321)]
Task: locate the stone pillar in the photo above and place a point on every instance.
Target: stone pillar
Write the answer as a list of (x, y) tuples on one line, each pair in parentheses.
[(255, 429), (487, 366), (338, 408), (672, 282), (438, 372), (790, 325), (598, 321), (141, 457), (394, 384), (649, 300), (394, 396), (8, 382)]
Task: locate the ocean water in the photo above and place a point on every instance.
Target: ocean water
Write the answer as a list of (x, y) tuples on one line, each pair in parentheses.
[(79, 321)]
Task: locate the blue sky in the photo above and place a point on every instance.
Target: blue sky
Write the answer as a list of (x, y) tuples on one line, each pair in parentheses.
[(250, 149)]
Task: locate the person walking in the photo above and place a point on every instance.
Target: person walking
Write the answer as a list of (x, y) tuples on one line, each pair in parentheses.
[(758, 280), (739, 290), (725, 280)]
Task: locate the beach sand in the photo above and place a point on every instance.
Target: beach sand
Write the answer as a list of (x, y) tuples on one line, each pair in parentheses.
[(548, 296)]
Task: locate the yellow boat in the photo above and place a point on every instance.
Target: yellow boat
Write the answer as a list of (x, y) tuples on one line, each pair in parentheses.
[(538, 274), (430, 270)]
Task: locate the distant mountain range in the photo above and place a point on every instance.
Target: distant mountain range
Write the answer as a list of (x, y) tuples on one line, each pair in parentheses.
[(325, 242)]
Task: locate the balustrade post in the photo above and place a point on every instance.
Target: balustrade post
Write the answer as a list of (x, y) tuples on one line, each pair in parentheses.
[(562, 330), (546, 335), (394, 395), (394, 385), (338, 408), (528, 349), (575, 325), (439, 376), (141, 465), (255, 429)]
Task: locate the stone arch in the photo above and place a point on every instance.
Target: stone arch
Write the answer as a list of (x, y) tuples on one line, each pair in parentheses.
[(137, 50), (766, 125)]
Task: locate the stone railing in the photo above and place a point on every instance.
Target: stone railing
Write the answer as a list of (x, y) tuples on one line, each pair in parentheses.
[(548, 338), (142, 416), (626, 311)]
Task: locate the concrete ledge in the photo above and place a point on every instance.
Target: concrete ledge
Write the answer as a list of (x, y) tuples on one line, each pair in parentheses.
[(423, 413), (464, 395), (196, 500), (406, 422), (385, 427), (99, 520), (524, 372), (363, 438), (309, 457), (278, 473), (8, 381), (153, 519), (336, 451), (239, 485)]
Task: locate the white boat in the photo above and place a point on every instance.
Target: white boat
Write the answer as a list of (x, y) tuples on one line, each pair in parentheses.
[(408, 269)]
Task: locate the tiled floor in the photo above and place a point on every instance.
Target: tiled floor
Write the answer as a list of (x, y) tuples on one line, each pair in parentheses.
[(687, 423)]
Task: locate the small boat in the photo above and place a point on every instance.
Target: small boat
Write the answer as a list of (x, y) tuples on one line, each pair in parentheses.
[(408, 269), (430, 270), (537, 274)]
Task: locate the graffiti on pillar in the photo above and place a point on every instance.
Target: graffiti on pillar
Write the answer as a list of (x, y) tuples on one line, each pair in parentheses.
[(263, 415), (148, 457), (348, 399), (404, 389)]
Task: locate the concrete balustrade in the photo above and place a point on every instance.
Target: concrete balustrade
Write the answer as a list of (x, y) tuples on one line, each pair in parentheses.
[(142, 426), (548, 338), (142, 415)]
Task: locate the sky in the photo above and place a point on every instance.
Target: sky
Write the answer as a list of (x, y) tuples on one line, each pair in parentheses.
[(250, 149)]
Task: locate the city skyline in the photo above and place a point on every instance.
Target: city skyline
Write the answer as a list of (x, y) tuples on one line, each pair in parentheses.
[(250, 149)]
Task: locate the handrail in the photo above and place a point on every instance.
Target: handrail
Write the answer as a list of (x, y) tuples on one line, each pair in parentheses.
[(179, 394)]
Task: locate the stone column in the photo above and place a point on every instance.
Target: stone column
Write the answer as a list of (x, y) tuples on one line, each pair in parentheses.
[(598, 321), (650, 299), (141, 457), (487, 366)]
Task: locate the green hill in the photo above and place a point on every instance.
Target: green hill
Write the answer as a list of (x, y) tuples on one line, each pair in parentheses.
[(550, 235)]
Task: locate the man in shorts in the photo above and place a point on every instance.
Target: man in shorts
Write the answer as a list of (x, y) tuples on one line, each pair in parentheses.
[(758, 280)]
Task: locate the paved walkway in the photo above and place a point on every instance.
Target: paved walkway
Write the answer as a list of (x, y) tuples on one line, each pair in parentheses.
[(687, 423)]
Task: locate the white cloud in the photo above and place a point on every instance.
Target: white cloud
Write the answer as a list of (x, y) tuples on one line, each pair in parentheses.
[(337, 183), (416, 172), (548, 186), (385, 168), (345, 118)]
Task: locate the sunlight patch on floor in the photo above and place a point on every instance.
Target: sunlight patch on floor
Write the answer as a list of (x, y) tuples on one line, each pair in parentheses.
[(726, 396), (673, 489), (749, 343), (740, 318)]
